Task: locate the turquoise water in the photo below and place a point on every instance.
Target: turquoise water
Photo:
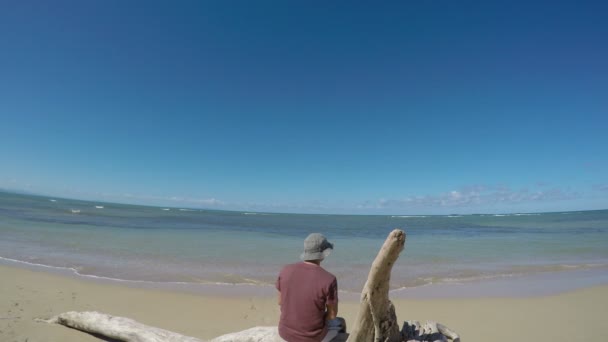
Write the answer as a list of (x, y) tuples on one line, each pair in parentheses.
[(169, 245)]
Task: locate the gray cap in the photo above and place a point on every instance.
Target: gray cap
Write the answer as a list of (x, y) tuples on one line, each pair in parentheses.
[(316, 247)]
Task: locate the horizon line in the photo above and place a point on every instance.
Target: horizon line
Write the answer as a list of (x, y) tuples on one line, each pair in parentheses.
[(49, 197)]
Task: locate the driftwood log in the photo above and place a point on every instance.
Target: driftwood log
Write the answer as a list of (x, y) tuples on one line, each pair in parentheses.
[(376, 320), (117, 328)]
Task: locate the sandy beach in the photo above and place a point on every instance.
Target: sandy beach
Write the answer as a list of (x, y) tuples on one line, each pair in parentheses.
[(165, 161), (27, 294)]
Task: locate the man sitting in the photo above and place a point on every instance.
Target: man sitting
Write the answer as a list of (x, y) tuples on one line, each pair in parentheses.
[(308, 296)]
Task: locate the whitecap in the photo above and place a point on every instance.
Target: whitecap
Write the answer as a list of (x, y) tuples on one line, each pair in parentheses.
[(99, 206)]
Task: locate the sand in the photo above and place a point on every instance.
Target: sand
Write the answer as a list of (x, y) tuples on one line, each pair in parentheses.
[(26, 294)]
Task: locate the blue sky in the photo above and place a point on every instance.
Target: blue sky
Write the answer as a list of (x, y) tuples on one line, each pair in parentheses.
[(408, 107)]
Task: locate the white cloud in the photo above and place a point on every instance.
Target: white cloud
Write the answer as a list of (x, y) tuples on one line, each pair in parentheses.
[(472, 196), (158, 200), (209, 201), (600, 187)]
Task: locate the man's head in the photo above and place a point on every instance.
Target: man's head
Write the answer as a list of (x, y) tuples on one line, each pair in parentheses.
[(316, 248)]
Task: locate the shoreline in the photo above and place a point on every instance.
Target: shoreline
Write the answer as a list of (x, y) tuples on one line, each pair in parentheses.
[(518, 286), (28, 294), (210, 252)]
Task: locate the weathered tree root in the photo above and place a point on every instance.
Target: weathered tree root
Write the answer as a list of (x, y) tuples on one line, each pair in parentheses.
[(376, 319)]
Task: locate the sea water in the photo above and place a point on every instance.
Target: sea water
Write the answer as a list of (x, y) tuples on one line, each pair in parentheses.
[(197, 247)]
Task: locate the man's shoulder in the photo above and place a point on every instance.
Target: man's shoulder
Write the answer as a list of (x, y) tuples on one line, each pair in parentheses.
[(328, 275), (320, 271), (324, 274)]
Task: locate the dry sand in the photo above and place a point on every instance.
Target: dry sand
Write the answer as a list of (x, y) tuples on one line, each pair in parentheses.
[(25, 295)]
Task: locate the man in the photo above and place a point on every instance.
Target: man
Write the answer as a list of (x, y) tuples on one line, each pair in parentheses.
[(308, 295)]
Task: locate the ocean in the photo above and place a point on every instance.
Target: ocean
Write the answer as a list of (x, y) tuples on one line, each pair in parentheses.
[(183, 246)]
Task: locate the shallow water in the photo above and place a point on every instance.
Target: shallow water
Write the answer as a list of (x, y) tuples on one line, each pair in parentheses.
[(153, 244)]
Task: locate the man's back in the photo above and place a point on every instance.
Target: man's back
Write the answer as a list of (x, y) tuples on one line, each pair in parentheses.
[(305, 289)]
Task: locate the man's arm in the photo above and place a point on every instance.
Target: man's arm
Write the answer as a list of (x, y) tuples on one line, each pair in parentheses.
[(331, 303), (332, 311), (277, 285), (334, 323)]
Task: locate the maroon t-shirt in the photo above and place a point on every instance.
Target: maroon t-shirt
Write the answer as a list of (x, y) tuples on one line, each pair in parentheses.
[(305, 290)]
